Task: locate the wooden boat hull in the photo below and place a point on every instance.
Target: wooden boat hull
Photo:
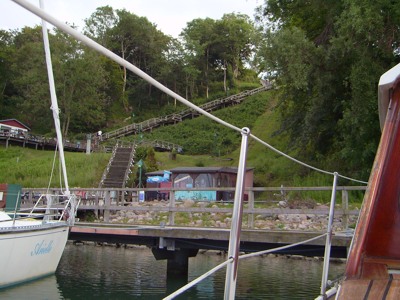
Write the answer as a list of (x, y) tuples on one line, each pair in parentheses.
[(28, 253), (373, 267)]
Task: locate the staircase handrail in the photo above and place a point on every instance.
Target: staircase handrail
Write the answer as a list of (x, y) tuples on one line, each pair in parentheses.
[(130, 164), (107, 169), (172, 118)]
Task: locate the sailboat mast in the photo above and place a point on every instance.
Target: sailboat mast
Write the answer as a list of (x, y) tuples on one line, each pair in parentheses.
[(54, 103)]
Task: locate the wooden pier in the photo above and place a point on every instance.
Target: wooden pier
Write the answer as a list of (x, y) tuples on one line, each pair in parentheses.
[(178, 244), (177, 237)]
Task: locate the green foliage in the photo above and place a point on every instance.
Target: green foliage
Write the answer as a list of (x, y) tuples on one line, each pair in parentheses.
[(95, 93), (327, 57), (199, 164), (219, 49), (141, 153), (151, 161), (201, 136)]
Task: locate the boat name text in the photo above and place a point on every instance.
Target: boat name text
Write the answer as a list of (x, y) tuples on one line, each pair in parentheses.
[(42, 248)]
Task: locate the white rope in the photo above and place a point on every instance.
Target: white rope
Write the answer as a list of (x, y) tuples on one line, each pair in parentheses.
[(302, 163), (52, 169), (60, 171)]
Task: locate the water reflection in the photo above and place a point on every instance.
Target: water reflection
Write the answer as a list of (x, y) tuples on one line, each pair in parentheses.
[(94, 272), (44, 288)]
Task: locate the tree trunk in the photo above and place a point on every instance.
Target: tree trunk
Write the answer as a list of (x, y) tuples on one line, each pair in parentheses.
[(235, 68), (206, 75), (124, 75), (187, 87), (225, 76), (66, 129)]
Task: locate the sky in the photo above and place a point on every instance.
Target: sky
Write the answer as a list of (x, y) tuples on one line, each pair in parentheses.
[(170, 16)]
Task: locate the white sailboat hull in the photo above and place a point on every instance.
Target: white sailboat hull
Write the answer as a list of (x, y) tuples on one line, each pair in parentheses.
[(28, 253)]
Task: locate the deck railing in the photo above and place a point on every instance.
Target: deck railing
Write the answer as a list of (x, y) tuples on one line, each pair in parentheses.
[(266, 201)]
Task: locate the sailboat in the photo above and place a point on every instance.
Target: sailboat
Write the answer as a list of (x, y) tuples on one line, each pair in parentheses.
[(32, 242)]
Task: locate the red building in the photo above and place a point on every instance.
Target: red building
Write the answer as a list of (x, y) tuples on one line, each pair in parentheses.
[(13, 127), (208, 177), (202, 177)]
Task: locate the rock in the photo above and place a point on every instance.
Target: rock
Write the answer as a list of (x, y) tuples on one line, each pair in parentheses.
[(202, 204), (282, 203), (282, 218), (302, 226), (188, 203)]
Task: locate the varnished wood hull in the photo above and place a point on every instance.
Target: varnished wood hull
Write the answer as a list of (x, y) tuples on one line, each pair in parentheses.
[(373, 267)]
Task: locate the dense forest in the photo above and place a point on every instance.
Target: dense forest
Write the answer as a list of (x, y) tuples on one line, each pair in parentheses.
[(324, 56)]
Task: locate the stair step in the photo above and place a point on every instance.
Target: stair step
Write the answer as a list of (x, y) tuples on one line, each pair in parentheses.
[(121, 162)]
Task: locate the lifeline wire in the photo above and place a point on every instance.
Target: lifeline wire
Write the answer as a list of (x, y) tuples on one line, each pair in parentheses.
[(302, 163), (281, 248), (218, 267), (197, 280)]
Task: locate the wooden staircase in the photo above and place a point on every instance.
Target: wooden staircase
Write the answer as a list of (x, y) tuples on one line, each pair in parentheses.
[(148, 125), (118, 169)]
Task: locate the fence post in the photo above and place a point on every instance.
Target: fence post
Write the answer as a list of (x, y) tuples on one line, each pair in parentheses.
[(329, 235), (107, 202), (171, 205), (236, 226), (250, 216), (345, 207), (96, 202)]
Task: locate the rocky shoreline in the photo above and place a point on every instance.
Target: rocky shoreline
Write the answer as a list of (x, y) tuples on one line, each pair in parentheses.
[(288, 221)]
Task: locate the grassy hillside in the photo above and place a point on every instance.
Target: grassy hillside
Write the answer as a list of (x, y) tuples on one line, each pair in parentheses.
[(33, 168), (218, 145)]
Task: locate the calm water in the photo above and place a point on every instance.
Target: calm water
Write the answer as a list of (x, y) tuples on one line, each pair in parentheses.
[(94, 272)]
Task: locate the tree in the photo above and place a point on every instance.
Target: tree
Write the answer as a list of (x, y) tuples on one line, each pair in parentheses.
[(368, 40), (79, 80), (32, 97), (233, 45), (327, 62), (136, 40), (6, 76), (97, 26), (151, 161), (220, 45), (199, 35)]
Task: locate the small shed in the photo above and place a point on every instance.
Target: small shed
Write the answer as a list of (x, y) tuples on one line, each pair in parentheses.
[(13, 127), (160, 180), (207, 177)]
